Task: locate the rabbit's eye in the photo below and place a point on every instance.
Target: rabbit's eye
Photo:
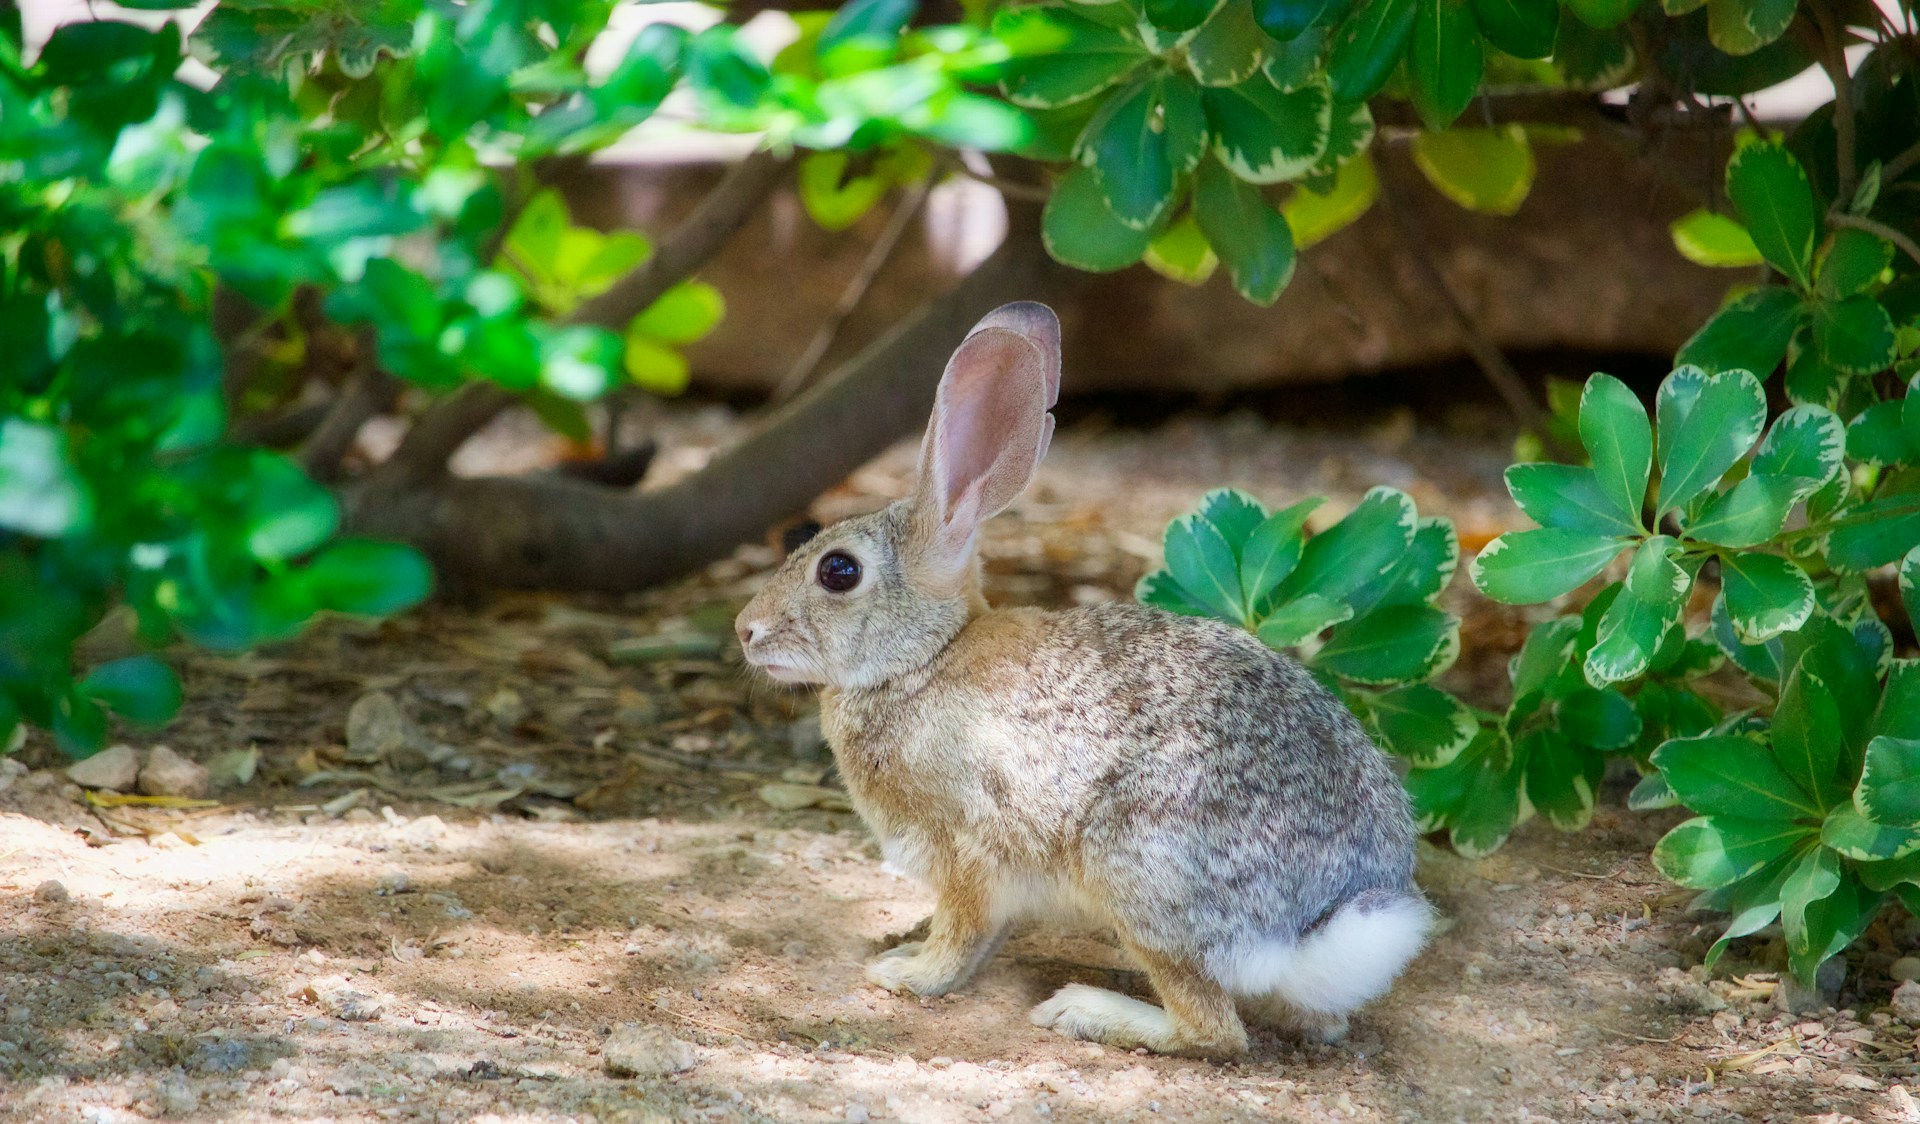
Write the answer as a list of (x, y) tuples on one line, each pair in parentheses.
[(838, 572)]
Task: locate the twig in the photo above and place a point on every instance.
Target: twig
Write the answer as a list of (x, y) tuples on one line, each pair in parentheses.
[(282, 429), (1901, 164), (448, 423), (371, 391), (1874, 226), (1012, 189), (1834, 61), (1486, 355), (878, 255)]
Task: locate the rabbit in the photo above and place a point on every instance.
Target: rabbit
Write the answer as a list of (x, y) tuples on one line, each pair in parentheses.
[(1167, 776)]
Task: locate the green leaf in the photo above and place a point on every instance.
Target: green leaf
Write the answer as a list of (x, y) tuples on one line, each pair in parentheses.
[(1741, 27), (1489, 807), (1864, 840), (40, 494), (1910, 587), (1293, 622), (1765, 595), (1806, 441), (1898, 714), (724, 72), (1251, 238), (1618, 440), (1487, 170), (1423, 572), (1543, 657), (1814, 877), (287, 514), (1142, 139), (1314, 217), (1727, 775), (1875, 533), (368, 578), (1179, 15), (1061, 57), (1396, 644), (1271, 552), (1708, 238), (684, 314), (1200, 558), (1297, 62), (1527, 567), (1830, 925), (1807, 737), (1854, 335), (1445, 61), (1753, 904), (654, 367), (1180, 252), (1651, 793), (1878, 436), (1160, 590), (140, 689), (1362, 547), (1772, 194), (1227, 51), (1287, 20), (1570, 497), (1706, 424), (1889, 789), (1524, 29), (1750, 334), (1649, 605), (1749, 513), (1423, 724), (1264, 135), (834, 201), (1236, 514), (1368, 46), (1600, 719), (867, 19), (1853, 261), (1708, 852), (1558, 782), (580, 362), (1080, 230), (1602, 14)]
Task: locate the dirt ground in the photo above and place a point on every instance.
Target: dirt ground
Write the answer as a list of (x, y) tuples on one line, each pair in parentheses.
[(585, 820)]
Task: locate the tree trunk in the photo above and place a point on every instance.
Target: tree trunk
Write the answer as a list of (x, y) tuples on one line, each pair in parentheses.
[(553, 532)]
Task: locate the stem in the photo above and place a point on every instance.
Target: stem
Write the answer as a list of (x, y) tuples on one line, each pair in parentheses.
[(1901, 164), (1874, 226), (1834, 62), (877, 257), (371, 391)]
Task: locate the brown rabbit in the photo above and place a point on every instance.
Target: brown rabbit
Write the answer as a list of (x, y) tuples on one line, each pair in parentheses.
[(1168, 776)]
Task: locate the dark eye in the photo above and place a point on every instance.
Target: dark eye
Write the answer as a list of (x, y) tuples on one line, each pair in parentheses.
[(838, 572)]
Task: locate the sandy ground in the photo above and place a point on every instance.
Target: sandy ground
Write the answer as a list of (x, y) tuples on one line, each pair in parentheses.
[(572, 845)]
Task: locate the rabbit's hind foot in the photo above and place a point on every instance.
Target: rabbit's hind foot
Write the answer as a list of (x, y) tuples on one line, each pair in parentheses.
[(1197, 1021), (1326, 1027)]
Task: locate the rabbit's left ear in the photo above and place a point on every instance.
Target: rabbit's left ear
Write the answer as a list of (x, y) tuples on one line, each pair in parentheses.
[(989, 429)]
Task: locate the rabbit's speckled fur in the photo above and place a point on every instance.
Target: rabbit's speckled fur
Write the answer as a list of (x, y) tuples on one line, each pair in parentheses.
[(1168, 776)]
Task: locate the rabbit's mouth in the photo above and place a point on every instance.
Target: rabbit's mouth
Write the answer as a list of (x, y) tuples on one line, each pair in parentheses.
[(782, 672)]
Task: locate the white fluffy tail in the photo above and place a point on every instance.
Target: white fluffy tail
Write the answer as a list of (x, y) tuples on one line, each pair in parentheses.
[(1347, 961)]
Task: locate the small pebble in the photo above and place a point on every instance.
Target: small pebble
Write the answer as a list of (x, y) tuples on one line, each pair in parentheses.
[(1906, 969), (50, 892)]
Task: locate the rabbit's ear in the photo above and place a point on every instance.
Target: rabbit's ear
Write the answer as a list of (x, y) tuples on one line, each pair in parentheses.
[(989, 429)]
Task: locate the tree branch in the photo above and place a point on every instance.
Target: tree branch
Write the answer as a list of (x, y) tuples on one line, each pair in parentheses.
[(370, 392), (446, 425), (1873, 226), (877, 257), (1833, 59), (549, 531)]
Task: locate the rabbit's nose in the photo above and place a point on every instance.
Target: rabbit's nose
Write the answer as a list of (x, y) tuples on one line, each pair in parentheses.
[(749, 632)]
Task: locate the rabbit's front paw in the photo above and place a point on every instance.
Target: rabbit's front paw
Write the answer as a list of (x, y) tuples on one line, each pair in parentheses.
[(908, 967)]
